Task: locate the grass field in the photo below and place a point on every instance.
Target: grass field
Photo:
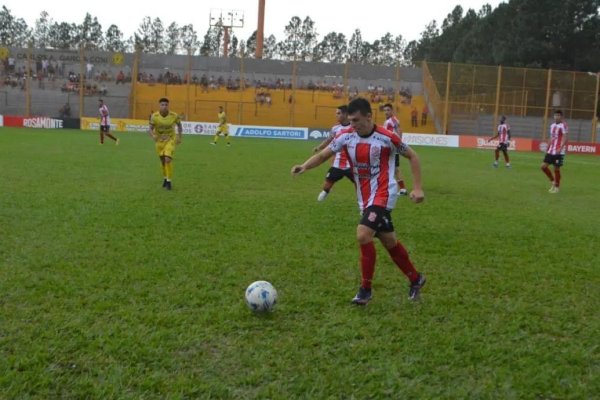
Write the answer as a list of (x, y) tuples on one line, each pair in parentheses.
[(113, 288)]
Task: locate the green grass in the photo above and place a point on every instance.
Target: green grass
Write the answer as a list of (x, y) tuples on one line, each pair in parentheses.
[(113, 288)]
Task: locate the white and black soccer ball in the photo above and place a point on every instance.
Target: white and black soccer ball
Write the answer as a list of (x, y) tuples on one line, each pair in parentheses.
[(261, 296)]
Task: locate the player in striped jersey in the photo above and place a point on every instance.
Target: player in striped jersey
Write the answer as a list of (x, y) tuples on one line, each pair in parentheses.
[(557, 147), (503, 135), (105, 122), (393, 125), (340, 167), (371, 151)]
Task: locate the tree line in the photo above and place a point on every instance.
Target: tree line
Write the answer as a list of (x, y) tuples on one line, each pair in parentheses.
[(532, 33)]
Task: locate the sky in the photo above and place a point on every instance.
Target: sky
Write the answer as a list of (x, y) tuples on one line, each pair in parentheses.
[(399, 17)]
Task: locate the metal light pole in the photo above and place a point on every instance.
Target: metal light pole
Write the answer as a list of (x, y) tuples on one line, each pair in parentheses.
[(227, 19)]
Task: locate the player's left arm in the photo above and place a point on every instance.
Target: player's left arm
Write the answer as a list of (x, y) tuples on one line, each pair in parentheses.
[(417, 195), (323, 144)]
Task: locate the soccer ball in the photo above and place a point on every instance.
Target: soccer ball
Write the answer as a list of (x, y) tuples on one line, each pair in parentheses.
[(261, 296)]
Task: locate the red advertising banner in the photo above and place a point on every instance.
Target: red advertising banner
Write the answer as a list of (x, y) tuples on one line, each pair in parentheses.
[(572, 147), (16, 122)]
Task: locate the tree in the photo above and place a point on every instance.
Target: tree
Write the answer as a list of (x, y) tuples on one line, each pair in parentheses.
[(300, 40), (13, 31), (398, 50), (289, 48), (368, 52), (385, 51), (173, 39), (63, 36), (333, 48), (270, 48), (41, 32), (142, 36), (410, 52), (243, 50), (156, 39), (189, 38), (212, 41), (114, 39), (423, 50), (308, 36), (355, 47), (233, 46), (251, 44), (90, 33)]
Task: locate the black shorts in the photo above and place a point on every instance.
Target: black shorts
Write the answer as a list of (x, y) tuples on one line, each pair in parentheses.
[(377, 218), (397, 160), (502, 147), (104, 128), (554, 159), (335, 174)]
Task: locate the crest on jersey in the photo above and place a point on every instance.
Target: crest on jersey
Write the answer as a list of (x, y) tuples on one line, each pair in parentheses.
[(375, 152), (372, 216)]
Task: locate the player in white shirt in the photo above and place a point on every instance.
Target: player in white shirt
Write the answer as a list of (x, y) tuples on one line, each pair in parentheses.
[(393, 125), (340, 167), (557, 148), (371, 151), (503, 135), (105, 122)]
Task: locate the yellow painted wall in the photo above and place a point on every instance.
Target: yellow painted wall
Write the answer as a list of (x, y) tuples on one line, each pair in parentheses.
[(314, 109)]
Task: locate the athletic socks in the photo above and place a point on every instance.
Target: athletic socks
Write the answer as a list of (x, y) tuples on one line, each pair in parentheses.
[(367, 263), (548, 173), (400, 257)]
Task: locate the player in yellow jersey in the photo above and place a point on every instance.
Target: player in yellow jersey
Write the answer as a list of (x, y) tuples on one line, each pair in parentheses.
[(223, 128), (162, 131)]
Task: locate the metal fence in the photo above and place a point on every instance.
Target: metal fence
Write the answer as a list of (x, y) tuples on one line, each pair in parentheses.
[(460, 92), (42, 82), (62, 83)]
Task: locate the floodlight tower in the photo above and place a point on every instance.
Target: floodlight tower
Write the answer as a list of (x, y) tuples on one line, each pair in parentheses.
[(260, 30), (227, 19)]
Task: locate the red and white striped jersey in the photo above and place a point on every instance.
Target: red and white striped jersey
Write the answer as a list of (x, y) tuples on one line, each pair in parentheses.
[(104, 117), (372, 162), (341, 160), (393, 125), (503, 133), (558, 131)]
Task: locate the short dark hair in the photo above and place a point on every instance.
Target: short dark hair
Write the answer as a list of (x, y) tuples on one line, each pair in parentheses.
[(100, 100), (558, 112), (163, 100), (361, 105), (343, 109), (388, 105)]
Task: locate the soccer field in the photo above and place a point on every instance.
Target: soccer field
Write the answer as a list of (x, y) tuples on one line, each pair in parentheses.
[(114, 288)]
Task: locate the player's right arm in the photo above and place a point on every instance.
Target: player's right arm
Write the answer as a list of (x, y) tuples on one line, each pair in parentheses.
[(495, 136), (313, 161), (151, 130)]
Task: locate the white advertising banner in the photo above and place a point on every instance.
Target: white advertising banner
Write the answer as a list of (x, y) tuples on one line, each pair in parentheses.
[(425, 139)]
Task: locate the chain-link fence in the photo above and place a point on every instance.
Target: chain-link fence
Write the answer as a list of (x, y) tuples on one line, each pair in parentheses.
[(470, 98), (64, 83)]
